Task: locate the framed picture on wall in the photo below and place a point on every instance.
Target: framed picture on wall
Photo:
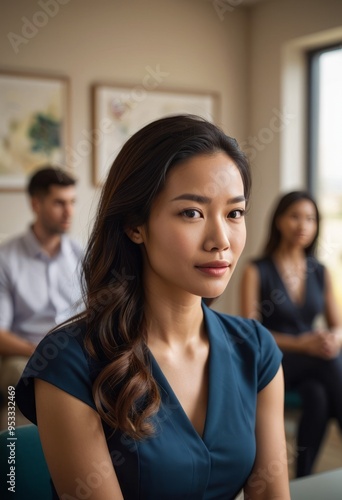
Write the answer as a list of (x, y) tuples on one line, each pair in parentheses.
[(118, 111), (33, 125)]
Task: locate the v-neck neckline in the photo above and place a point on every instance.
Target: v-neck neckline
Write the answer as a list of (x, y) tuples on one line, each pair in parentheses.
[(296, 305), (171, 393)]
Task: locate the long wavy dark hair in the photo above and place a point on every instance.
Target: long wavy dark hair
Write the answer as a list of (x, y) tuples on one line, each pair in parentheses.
[(282, 205), (125, 393)]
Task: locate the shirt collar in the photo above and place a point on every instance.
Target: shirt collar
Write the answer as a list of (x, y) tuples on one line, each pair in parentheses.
[(35, 249)]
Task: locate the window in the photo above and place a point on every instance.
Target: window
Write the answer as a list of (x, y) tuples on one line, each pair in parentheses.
[(325, 153)]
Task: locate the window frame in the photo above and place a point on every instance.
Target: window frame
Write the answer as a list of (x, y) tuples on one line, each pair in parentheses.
[(313, 113)]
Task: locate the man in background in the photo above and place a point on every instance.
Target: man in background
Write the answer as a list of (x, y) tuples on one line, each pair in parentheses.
[(39, 273)]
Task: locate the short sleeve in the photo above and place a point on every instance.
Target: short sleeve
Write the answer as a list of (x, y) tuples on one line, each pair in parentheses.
[(270, 356), (6, 301), (60, 360)]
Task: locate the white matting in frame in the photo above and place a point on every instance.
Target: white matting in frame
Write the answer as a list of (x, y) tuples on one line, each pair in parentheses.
[(120, 111)]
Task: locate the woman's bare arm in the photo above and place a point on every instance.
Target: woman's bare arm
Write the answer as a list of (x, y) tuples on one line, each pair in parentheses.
[(249, 293), (269, 479), (332, 313), (74, 445)]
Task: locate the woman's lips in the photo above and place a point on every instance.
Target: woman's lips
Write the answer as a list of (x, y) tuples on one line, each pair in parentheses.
[(217, 268)]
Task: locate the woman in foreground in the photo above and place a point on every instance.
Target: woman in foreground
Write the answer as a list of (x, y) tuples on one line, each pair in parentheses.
[(287, 289), (150, 394)]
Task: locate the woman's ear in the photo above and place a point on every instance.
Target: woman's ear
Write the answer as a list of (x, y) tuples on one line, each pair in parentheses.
[(135, 234), (276, 223)]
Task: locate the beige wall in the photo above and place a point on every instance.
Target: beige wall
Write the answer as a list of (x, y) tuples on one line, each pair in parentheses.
[(115, 40), (280, 33), (237, 54)]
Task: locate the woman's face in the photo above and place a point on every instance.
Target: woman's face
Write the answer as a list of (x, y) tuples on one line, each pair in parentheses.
[(196, 229), (298, 225)]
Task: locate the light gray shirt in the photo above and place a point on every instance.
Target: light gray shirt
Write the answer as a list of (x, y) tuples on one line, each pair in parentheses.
[(38, 291)]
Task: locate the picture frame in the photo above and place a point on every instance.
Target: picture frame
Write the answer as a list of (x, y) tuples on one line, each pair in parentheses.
[(34, 125), (118, 111)]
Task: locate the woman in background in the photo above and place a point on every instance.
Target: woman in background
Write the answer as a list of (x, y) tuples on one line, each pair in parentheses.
[(287, 289), (149, 393)]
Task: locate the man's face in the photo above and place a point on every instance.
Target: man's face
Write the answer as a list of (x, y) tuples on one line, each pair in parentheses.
[(55, 210)]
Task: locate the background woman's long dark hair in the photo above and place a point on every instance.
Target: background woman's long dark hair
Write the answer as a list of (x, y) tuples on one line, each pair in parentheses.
[(283, 204), (125, 393)]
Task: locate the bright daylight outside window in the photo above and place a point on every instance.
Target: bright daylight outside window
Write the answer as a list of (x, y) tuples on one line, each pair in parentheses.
[(325, 154)]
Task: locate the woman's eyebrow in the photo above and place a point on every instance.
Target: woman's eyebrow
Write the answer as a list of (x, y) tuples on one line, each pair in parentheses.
[(205, 199), (193, 197)]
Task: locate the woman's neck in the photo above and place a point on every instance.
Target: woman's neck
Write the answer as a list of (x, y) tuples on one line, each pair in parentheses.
[(293, 254), (173, 322)]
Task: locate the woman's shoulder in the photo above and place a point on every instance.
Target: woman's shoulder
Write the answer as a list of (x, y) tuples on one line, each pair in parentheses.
[(66, 337), (250, 340), (314, 263), (263, 261), (63, 345), (260, 264), (62, 360), (69, 329), (248, 332)]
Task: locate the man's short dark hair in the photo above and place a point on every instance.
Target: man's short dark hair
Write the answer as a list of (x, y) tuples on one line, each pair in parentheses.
[(41, 181)]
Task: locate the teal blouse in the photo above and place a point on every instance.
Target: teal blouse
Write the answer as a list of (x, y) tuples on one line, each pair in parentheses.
[(176, 463)]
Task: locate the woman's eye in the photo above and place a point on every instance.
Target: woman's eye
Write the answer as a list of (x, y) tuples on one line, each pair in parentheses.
[(191, 213), (236, 214)]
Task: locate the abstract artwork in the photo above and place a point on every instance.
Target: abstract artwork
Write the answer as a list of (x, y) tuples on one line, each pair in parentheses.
[(33, 126)]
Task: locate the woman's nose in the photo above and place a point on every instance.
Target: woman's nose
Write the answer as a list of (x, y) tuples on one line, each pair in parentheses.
[(217, 238)]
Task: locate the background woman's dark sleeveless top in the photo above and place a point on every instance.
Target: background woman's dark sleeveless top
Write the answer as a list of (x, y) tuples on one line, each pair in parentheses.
[(278, 311)]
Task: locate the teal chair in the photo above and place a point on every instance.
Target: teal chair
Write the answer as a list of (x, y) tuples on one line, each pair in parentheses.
[(32, 478), (292, 400)]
